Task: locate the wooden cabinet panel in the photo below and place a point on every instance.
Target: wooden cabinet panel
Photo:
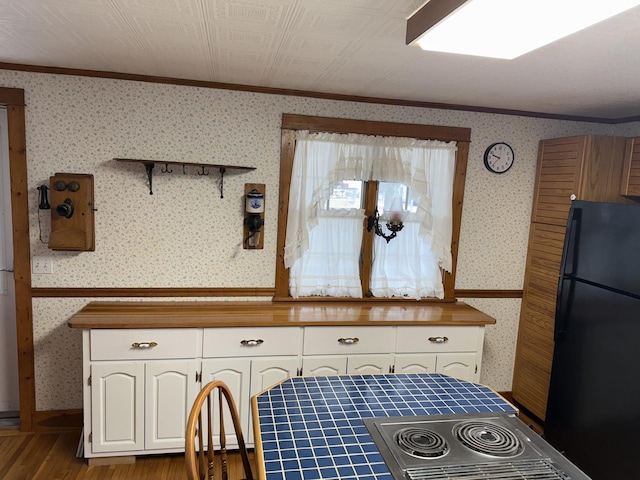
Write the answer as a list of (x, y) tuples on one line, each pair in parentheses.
[(631, 168), (533, 359), (587, 168), (558, 177)]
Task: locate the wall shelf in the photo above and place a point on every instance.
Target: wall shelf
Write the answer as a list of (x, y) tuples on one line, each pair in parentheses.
[(149, 166)]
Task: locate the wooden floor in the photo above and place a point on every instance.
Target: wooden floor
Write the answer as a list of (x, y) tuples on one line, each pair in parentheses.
[(51, 456)]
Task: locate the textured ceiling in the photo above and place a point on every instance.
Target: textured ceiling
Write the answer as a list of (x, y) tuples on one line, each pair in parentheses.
[(348, 47)]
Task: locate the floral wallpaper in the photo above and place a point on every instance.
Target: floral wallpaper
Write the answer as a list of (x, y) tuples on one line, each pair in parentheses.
[(185, 235)]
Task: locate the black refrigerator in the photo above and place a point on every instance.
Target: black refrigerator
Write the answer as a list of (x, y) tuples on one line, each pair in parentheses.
[(593, 409)]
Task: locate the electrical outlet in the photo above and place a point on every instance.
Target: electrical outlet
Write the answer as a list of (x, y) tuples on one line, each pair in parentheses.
[(41, 265)]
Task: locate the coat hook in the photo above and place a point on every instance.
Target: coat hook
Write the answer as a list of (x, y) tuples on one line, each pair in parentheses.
[(166, 169), (203, 172)]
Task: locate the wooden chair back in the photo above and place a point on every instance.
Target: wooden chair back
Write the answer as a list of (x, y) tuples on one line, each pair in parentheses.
[(199, 439)]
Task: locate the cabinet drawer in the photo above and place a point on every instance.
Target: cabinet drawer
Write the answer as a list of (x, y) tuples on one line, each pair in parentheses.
[(144, 343), (251, 342), (348, 340), (437, 339)]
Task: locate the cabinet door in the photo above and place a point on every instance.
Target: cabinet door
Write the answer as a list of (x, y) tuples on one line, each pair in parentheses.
[(559, 172), (266, 372), (117, 415), (415, 363), (369, 364), (170, 389), (324, 365), (534, 351), (459, 365), (235, 372)]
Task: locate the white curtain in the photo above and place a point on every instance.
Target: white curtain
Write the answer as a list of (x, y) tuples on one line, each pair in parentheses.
[(330, 267), (321, 160), (406, 266)]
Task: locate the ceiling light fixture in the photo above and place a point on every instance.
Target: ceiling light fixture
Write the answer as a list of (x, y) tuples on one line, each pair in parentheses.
[(503, 28)]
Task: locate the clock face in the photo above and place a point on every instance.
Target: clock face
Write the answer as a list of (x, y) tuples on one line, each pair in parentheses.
[(498, 158)]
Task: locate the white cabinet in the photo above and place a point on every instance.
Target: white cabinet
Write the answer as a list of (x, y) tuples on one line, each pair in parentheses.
[(369, 364), (170, 389), (235, 372), (458, 365), (451, 350), (348, 340), (134, 402), (322, 365), (141, 406), (252, 359), (319, 365), (354, 350), (144, 381), (415, 363), (117, 400), (266, 372)]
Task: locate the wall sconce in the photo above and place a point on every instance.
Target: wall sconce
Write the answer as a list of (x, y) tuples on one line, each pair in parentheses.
[(393, 220), (254, 215)]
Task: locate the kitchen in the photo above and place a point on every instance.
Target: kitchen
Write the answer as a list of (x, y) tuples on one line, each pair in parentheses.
[(176, 238)]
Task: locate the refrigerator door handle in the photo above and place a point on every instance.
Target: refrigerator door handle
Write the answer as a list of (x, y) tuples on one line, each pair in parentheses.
[(570, 250), (563, 306)]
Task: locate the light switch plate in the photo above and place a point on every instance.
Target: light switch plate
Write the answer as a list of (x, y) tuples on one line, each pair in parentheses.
[(41, 265)]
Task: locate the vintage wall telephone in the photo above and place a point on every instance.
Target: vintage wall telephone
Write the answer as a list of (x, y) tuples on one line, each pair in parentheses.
[(72, 217)]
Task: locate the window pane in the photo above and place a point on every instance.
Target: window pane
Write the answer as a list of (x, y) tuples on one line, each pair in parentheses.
[(388, 192), (346, 194)]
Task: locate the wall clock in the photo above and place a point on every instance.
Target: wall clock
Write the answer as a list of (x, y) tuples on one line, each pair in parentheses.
[(498, 157)]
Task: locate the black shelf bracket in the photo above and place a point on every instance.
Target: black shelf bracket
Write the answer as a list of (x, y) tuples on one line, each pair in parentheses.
[(149, 168)]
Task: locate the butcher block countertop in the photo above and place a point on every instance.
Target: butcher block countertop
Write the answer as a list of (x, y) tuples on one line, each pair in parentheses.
[(250, 314)]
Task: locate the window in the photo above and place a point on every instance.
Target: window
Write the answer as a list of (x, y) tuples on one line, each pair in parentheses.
[(335, 258)]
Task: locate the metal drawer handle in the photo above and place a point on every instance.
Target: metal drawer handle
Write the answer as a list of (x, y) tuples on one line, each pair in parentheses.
[(438, 339), (143, 345), (252, 343), (348, 340)]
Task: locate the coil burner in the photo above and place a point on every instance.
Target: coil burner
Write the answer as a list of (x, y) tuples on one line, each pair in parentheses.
[(422, 442), (488, 438)]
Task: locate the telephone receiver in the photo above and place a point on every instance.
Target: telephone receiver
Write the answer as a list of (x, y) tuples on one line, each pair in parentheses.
[(65, 209), (43, 202)]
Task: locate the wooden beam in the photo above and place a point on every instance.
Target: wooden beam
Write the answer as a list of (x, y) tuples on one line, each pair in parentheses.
[(14, 100)]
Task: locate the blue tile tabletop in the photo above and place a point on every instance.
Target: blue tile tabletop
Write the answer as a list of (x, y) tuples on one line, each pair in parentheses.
[(311, 427)]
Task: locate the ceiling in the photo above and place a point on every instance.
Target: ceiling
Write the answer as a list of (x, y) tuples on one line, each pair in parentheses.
[(343, 47)]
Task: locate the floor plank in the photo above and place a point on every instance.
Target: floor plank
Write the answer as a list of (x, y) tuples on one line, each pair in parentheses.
[(51, 456)]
